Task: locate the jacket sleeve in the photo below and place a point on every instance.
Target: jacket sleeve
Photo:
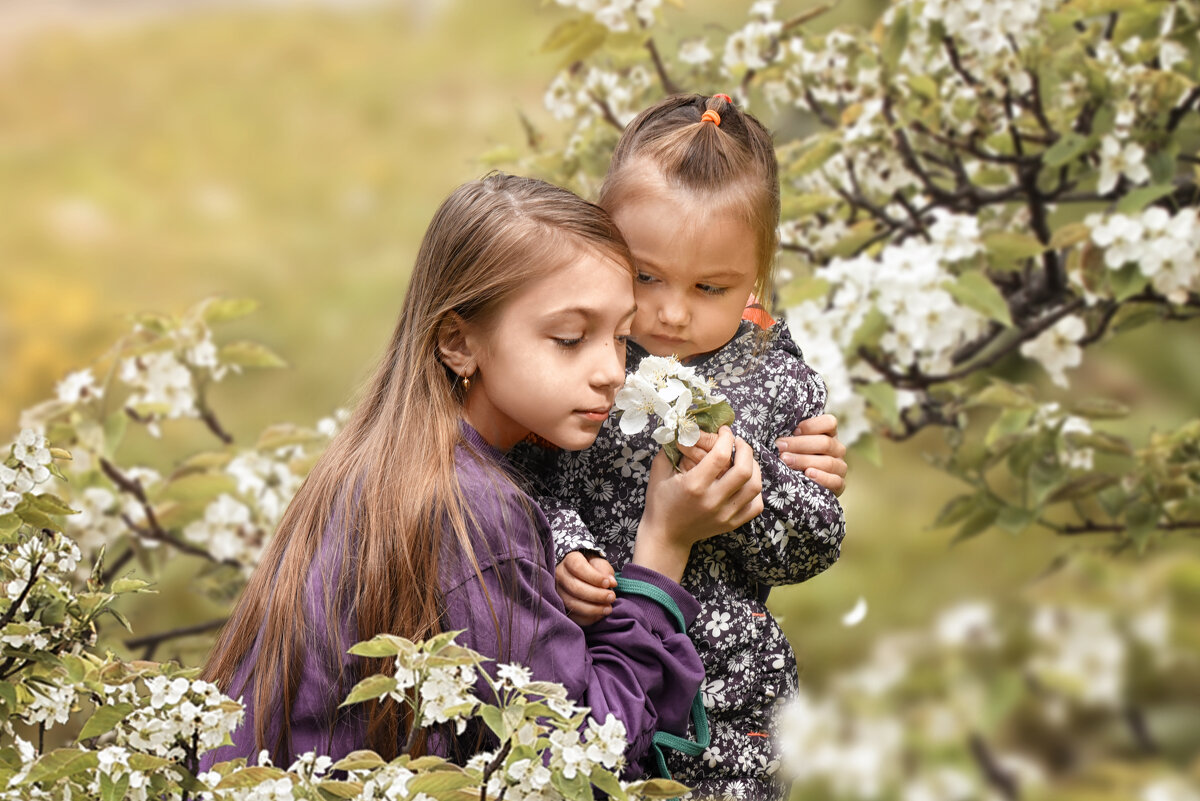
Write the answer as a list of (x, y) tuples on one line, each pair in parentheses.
[(634, 664), (799, 533)]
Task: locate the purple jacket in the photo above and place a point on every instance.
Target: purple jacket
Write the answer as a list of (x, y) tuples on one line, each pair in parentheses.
[(634, 664)]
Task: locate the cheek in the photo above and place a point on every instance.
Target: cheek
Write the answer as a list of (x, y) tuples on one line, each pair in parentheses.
[(643, 319)]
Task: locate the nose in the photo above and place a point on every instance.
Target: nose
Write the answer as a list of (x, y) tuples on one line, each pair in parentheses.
[(673, 311), (609, 369)]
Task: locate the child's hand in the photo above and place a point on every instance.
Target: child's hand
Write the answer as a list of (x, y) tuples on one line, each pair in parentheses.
[(815, 449), (585, 584), (721, 492)]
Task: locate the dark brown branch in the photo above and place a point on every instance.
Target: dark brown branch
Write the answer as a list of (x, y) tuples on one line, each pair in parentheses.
[(816, 108), (805, 16), (152, 641), (956, 61), (214, 425), (1090, 527), (16, 605), (1135, 719), (996, 776), (1180, 111), (606, 111), (668, 85)]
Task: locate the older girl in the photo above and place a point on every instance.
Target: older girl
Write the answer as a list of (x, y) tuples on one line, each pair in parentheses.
[(414, 523)]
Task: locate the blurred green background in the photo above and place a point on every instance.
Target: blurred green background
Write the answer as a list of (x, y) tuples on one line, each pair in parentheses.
[(294, 153)]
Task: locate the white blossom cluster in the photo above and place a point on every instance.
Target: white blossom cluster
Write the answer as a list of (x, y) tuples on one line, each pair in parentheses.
[(599, 745), (665, 388), (27, 466), (1165, 247), (898, 724), (176, 712), (114, 764), (444, 692), (1071, 454), (753, 46), (586, 94), (55, 558), (1080, 653), (906, 283), (618, 16)]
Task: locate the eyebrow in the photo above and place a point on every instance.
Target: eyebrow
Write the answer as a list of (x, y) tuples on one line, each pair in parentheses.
[(584, 311)]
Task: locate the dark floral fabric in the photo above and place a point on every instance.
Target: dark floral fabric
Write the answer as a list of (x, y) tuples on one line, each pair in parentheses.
[(594, 500)]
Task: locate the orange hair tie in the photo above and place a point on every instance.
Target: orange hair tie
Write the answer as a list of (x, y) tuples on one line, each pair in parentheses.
[(726, 98), (711, 116)]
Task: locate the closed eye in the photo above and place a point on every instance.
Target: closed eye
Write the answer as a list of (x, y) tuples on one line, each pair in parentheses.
[(709, 289), (567, 342)]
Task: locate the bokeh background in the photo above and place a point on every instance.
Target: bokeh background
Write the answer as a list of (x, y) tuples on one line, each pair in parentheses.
[(153, 154)]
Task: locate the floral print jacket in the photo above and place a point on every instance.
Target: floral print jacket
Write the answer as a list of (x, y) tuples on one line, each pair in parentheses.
[(594, 500)]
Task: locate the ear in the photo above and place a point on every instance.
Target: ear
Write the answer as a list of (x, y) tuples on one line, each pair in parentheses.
[(454, 345)]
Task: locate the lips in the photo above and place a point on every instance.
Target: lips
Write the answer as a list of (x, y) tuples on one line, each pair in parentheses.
[(598, 414)]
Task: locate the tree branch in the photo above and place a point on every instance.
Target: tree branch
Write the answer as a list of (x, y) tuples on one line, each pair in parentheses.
[(668, 85), (152, 641)]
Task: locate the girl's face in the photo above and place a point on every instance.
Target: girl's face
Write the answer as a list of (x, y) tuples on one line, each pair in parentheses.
[(551, 360), (696, 269)]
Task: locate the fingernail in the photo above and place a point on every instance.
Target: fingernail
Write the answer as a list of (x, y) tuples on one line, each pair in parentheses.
[(781, 444), (608, 610), (788, 459), (611, 597)]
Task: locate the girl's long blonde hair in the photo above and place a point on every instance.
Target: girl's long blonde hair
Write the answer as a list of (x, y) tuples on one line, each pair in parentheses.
[(388, 480)]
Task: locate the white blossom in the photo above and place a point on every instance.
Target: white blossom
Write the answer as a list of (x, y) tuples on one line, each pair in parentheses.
[(78, 387), (1057, 348)]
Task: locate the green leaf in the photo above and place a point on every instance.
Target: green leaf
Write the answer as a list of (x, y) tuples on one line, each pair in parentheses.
[(124, 585), (798, 207), (1139, 199), (882, 396), (60, 763), (369, 688), (859, 234), (359, 760), (607, 783), (975, 291), (10, 524), (341, 789), (382, 646), (493, 719), (1099, 409), (249, 354), (436, 783), (1044, 478), (1009, 423), (1069, 235), (1015, 520), (813, 153), (895, 39), (113, 790), (33, 516), (219, 310), (115, 426), (1082, 487), (284, 434), (867, 447), (1069, 147), (104, 719), (248, 777), (1126, 282), (576, 38), (659, 788), (983, 514), (956, 510), (1097, 8), (924, 86), (52, 505), (147, 762), (1003, 394), (872, 329), (1008, 249)]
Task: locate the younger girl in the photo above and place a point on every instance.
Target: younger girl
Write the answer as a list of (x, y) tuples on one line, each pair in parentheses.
[(412, 522), (693, 187)]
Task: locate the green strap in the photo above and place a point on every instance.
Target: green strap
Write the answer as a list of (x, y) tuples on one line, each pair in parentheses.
[(664, 739)]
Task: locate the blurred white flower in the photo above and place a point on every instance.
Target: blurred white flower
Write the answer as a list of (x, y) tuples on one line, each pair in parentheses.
[(857, 614), (1116, 161), (78, 387), (1057, 348)]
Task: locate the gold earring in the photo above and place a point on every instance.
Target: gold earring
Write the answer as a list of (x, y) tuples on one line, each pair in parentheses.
[(467, 382)]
